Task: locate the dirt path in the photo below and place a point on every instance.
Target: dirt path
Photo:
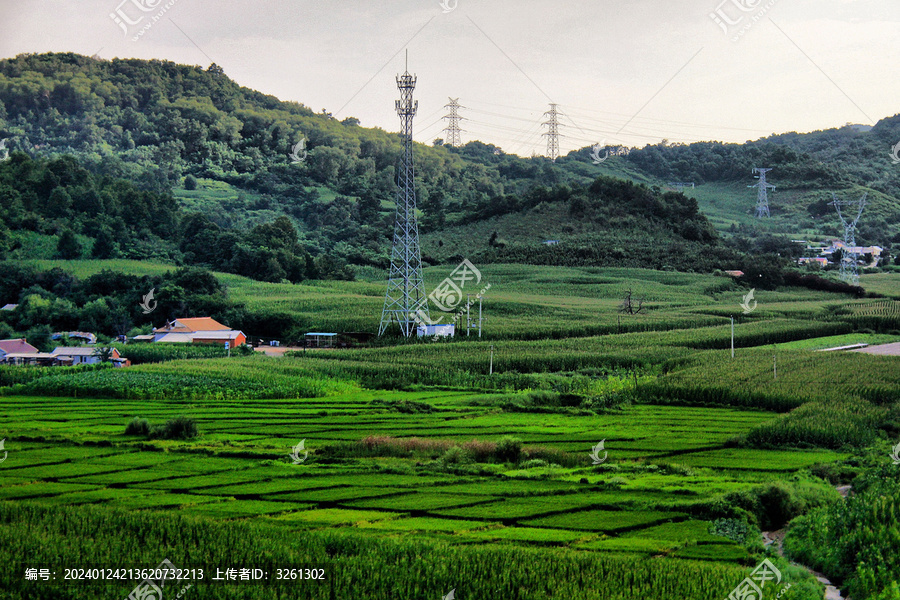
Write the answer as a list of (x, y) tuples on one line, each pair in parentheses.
[(777, 538)]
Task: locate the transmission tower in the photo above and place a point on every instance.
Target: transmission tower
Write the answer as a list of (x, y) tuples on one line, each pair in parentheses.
[(850, 255), (552, 133), (405, 301), (453, 119), (762, 196)]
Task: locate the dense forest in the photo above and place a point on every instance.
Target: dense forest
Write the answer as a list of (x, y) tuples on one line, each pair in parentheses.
[(150, 159)]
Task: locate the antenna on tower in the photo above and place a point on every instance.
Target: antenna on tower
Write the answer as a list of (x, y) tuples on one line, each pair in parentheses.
[(762, 196), (453, 119), (405, 301), (552, 132), (850, 254)]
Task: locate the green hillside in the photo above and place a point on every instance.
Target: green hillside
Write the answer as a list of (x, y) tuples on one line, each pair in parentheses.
[(213, 148)]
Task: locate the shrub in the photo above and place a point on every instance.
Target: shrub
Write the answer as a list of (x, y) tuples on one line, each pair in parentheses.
[(138, 426), (179, 428), (509, 449)]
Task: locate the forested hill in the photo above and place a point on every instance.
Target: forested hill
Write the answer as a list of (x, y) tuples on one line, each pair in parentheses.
[(222, 152)]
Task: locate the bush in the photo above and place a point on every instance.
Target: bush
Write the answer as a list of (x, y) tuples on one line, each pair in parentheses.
[(509, 449), (179, 428), (138, 426), (190, 183)]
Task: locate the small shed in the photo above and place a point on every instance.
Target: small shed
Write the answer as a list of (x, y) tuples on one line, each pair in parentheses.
[(436, 330), (321, 340)]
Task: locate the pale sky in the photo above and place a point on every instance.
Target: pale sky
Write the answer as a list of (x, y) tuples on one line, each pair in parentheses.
[(622, 71)]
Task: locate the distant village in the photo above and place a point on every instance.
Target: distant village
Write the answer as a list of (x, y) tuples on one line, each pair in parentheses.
[(199, 330)]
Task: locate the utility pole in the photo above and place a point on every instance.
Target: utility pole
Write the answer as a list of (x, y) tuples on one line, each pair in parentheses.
[(732, 337), (762, 197), (850, 255), (491, 371), (453, 138), (405, 301), (552, 132)]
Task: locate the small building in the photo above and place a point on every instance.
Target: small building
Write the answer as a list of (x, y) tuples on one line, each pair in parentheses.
[(16, 346), (189, 325), (820, 260), (10, 307), (436, 330), (35, 359), (84, 337), (551, 242), (82, 356), (321, 340), (219, 338), (735, 273), (143, 338)]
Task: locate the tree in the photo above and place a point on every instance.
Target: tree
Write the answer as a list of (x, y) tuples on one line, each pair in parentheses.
[(105, 245), (68, 246), (190, 183)]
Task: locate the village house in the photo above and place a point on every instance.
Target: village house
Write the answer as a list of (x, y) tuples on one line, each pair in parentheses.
[(199, 330)]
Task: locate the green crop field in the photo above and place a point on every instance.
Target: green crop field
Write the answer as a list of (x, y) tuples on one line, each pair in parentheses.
[(424, 471)]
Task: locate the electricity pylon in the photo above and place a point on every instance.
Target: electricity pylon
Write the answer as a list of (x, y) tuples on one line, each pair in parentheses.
[(552, 132), (762, 196), (850, 256), (453, 138)]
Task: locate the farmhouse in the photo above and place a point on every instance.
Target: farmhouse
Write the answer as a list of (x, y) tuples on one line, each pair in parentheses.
[(80, 356), (16, 346), (199, 330)]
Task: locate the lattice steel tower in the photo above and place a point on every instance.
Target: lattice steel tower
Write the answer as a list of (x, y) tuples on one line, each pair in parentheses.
[(849, 257), (405, 301), (453, 119), (552, 132), (762, 196)]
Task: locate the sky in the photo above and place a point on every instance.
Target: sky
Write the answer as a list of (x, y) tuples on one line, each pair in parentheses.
[(629, 72)]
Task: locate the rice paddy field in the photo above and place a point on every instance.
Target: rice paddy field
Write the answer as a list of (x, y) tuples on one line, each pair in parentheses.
[(572, 452)]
